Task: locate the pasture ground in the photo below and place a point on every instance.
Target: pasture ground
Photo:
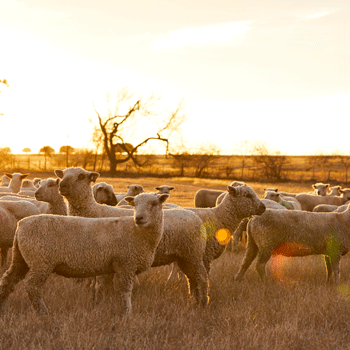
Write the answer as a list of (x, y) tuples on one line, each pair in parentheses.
[(296, 309)]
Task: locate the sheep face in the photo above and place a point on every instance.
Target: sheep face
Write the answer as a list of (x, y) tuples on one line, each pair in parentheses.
[(147, 206), (244, 201), (320, 189), (16, 176), (134, 190), (104, 194), (345, 193), (273, 196), (75, 181), (164, 189), (47, 190)]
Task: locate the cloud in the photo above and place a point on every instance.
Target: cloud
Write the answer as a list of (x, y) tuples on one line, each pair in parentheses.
[(202, 35)]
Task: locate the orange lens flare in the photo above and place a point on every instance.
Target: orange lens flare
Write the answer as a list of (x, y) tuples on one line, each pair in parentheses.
[(223, 236)]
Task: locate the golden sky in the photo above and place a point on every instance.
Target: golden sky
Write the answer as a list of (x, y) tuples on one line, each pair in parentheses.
[(276, 72)]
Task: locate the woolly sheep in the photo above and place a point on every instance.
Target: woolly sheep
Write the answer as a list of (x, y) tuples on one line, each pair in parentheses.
[(240, 202), (48, 192), (321, 189), (206, 198), (288, 202), (47, 244), (104, 194), (288, 194), (297, 233), (164, 189), (133, 190), (308, 202), (222, 195), (28, 185), (36, 181), (334, 191), (10, 214), (42, 206), (15, 182), (324, 208), (183, 241)]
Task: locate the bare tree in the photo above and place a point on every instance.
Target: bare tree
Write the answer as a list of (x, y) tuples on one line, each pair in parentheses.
[(67, 150), (271, 163), (47, 151), (5, 156), (345, 161), (135, 122)]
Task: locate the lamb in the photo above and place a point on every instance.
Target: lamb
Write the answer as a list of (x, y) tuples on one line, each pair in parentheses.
[(47, 244), (48, 192), (297, 233), (164, 189), (10, 214), (288, 194), (133, 190), (183, 241), (241, 202), (320, 188), (15, 182), (288, 202), (28, 185), (334, 191), (104, 194), (308, 202)]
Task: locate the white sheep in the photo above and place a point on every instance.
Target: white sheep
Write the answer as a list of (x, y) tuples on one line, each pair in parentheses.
[(206, 198), (223, 220), (288, 194), (297, 233), (309, 202), (36, 181), (43, 207), (10, 214), (133, 190), (334, 191), (288, 202), (164, 189), (104, 194), (48, 192), (222, 195), (183, 241), (48, 244), (324, 208), (15, 183), (28, 185), (320, 188)]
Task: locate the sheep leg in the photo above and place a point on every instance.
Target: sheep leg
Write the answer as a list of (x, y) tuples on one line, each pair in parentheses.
[(263, 258), (125, 280), (250, 254), (16, 272), (239, 234), (103, 287), (4, 251), (174, 273), (328, 267), (36, 278)]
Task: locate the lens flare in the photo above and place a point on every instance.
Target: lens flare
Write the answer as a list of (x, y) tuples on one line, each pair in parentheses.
[(208, 229), (223, 236)]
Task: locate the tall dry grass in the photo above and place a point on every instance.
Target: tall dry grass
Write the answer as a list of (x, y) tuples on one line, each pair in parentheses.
[(296, 309)]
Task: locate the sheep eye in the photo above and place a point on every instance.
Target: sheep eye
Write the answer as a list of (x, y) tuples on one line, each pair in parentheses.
[(81, 177)]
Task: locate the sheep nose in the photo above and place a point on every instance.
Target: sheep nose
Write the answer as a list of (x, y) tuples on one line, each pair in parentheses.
[(138, 219)]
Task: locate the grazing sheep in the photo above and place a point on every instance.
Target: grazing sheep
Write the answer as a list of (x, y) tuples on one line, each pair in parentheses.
[(104, 194), (297, 233), (133, 190), (309, 202), (47, 244), (48, 192), (240, 202), (288, 202), (15, 182), (183, 241), (10, 214)]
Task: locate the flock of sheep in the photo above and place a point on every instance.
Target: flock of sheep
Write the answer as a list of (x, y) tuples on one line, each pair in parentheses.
[(69, 227)]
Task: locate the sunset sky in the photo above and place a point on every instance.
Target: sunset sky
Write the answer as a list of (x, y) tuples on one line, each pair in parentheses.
[(271, 71)]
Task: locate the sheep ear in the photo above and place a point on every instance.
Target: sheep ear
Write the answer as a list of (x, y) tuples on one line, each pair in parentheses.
[(59, 173), (171, 188), (327, 185), (130, 200), (8, 175), (93, 176), (157, 188), (24, 176), (313, 186), (276, 190), (163, 197), (233, 191), (57, 181)]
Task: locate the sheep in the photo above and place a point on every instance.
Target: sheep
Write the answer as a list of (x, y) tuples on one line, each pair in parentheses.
[(133, 190), (324, 208), (240, 202), (28, 185), (308, 202), (43, 207), (269, 204), (5, 181), (183, 241), (10, 214), (288, 194), (164, 189), (48, 193), (334, 191), (15, 182), (104, 194), (36, 181), (222, 195), (297, 233), (288, 202), (47, 244), (320, 188), (206, 198)]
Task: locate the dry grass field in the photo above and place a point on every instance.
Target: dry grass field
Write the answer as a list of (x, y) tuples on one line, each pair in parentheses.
[(296, 309)]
